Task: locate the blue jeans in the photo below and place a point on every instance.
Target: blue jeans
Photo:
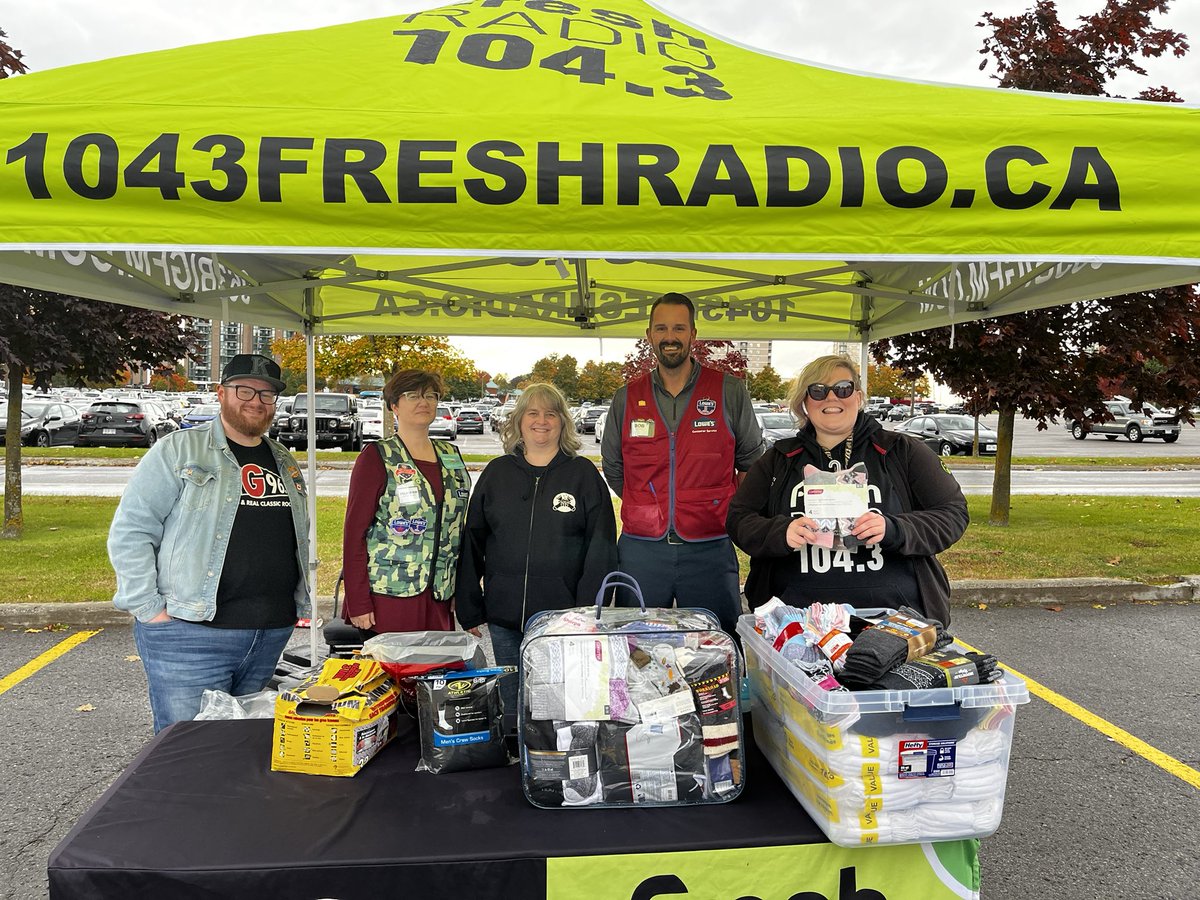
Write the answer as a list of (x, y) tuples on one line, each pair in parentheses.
[(699, 573), (184, 659), (506, 647)]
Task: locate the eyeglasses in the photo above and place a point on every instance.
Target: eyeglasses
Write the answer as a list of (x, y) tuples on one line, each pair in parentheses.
[(841, 390), (245, 392), (414, 396)]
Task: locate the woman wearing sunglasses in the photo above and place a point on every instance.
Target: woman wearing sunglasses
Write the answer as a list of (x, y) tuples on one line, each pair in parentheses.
[(916, 507)]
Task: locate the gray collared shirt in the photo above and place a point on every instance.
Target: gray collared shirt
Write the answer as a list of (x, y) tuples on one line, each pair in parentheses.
[(735, 403)]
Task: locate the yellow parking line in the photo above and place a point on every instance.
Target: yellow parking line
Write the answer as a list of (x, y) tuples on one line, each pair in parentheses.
[(1164, 761), (40, 662)]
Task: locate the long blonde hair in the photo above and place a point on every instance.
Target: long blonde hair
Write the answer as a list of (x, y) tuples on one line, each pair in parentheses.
[(819, 371), (549, 397)]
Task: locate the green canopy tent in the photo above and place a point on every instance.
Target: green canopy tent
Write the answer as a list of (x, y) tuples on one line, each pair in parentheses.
[(539, 167)]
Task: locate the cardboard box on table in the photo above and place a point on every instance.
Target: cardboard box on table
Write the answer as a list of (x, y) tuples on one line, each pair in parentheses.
[(884, 767), (336, 720), (629, 707)]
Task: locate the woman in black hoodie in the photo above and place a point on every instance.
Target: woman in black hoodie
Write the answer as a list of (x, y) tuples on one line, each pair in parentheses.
[(541, 533), (917, 508)]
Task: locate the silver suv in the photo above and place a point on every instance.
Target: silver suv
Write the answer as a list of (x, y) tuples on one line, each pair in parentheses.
[(1136, 425)]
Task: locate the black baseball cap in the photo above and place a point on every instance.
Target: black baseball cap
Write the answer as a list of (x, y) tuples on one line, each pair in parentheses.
[(253, 365)]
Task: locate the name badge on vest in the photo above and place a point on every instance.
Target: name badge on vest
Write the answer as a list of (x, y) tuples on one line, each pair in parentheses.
[(406, 485), (452, 461), (641, 428)]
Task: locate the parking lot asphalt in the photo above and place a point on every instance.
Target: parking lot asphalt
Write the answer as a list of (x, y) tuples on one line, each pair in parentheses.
[(1103, 790)]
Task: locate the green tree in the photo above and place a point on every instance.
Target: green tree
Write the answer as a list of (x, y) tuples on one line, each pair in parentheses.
[(1061, 359), (599, 381), (467, 388), (766, 384), (45, 335), (344, 359), (561, 371)]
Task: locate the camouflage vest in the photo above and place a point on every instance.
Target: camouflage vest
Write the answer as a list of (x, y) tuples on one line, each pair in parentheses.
[(414, 542)]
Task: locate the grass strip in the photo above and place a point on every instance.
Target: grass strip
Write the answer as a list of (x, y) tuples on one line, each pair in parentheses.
[(63, 557), (67, 455)]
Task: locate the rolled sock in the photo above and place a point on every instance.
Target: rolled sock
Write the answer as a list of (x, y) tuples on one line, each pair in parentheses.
[(893, 641), (578, 736), (973, 783), (926, 822), (939, 669)]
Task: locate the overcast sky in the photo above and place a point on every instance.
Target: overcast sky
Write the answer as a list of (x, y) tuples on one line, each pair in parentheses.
[(926, 40)]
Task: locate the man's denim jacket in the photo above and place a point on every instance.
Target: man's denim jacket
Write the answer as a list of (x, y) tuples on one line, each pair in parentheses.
[(171, 529)]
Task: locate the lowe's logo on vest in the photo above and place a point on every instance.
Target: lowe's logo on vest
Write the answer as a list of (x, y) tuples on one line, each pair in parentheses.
[(706, 406), (415, 525)]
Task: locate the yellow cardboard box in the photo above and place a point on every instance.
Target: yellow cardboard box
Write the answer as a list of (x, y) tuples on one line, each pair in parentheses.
[(334, 722)]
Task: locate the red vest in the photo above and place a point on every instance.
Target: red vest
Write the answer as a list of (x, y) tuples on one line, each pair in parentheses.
[(682, 481)]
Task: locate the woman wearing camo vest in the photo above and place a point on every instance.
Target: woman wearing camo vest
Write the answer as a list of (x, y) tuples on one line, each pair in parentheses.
[(404, 518)]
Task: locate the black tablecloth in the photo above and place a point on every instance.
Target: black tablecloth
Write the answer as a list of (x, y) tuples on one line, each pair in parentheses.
[(199, 814)]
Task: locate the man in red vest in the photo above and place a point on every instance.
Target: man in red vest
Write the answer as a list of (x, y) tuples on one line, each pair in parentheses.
[(676, 444)]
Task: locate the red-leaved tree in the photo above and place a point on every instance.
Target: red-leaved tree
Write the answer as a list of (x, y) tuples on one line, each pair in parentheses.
[(1068, 358), (720, 355)]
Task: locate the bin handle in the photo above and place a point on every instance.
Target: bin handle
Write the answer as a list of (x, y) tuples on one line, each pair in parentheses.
[(615, 580)]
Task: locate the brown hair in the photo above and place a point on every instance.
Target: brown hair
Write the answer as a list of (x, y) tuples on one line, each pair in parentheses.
[(412, 380), (819, 371), (674, 299)]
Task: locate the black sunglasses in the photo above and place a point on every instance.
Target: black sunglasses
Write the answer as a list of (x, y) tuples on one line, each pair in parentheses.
[(841, 390)]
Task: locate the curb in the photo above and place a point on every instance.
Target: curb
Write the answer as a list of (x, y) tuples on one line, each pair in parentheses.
[(1031, 592), (1034, 592)]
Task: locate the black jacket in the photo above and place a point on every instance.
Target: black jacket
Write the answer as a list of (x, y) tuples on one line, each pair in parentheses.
[(933, 512), (534, 542)]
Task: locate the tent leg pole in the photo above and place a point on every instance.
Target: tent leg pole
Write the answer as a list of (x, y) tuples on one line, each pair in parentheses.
[(863, 361), (309, 360)]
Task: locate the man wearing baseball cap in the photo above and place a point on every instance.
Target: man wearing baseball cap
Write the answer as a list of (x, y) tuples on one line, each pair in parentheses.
[(209, 544)]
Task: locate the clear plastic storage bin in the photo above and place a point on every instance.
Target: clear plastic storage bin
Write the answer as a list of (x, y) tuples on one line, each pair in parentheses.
[(629, 707), (884, 767)]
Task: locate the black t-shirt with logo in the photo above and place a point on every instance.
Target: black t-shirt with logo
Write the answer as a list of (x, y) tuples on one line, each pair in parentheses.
[(258, 580)]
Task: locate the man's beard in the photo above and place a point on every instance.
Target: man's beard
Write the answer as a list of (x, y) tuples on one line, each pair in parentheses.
[(248, 423), (668, 362)]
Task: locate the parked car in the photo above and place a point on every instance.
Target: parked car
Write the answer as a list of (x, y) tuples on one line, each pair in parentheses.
[(899, 412), (337, 422), (370, 413), (498, 416), (43, 424), (283, 409), (1136, 425), (469, 419), (587, 418), (123, 423), (878, 409), (168, 411), (198, 415), (776, 426), (443, 424), (948, 435), (598, 428)]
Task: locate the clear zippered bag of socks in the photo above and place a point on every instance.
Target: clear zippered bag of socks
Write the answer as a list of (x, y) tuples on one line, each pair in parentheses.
[(629, 707)]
